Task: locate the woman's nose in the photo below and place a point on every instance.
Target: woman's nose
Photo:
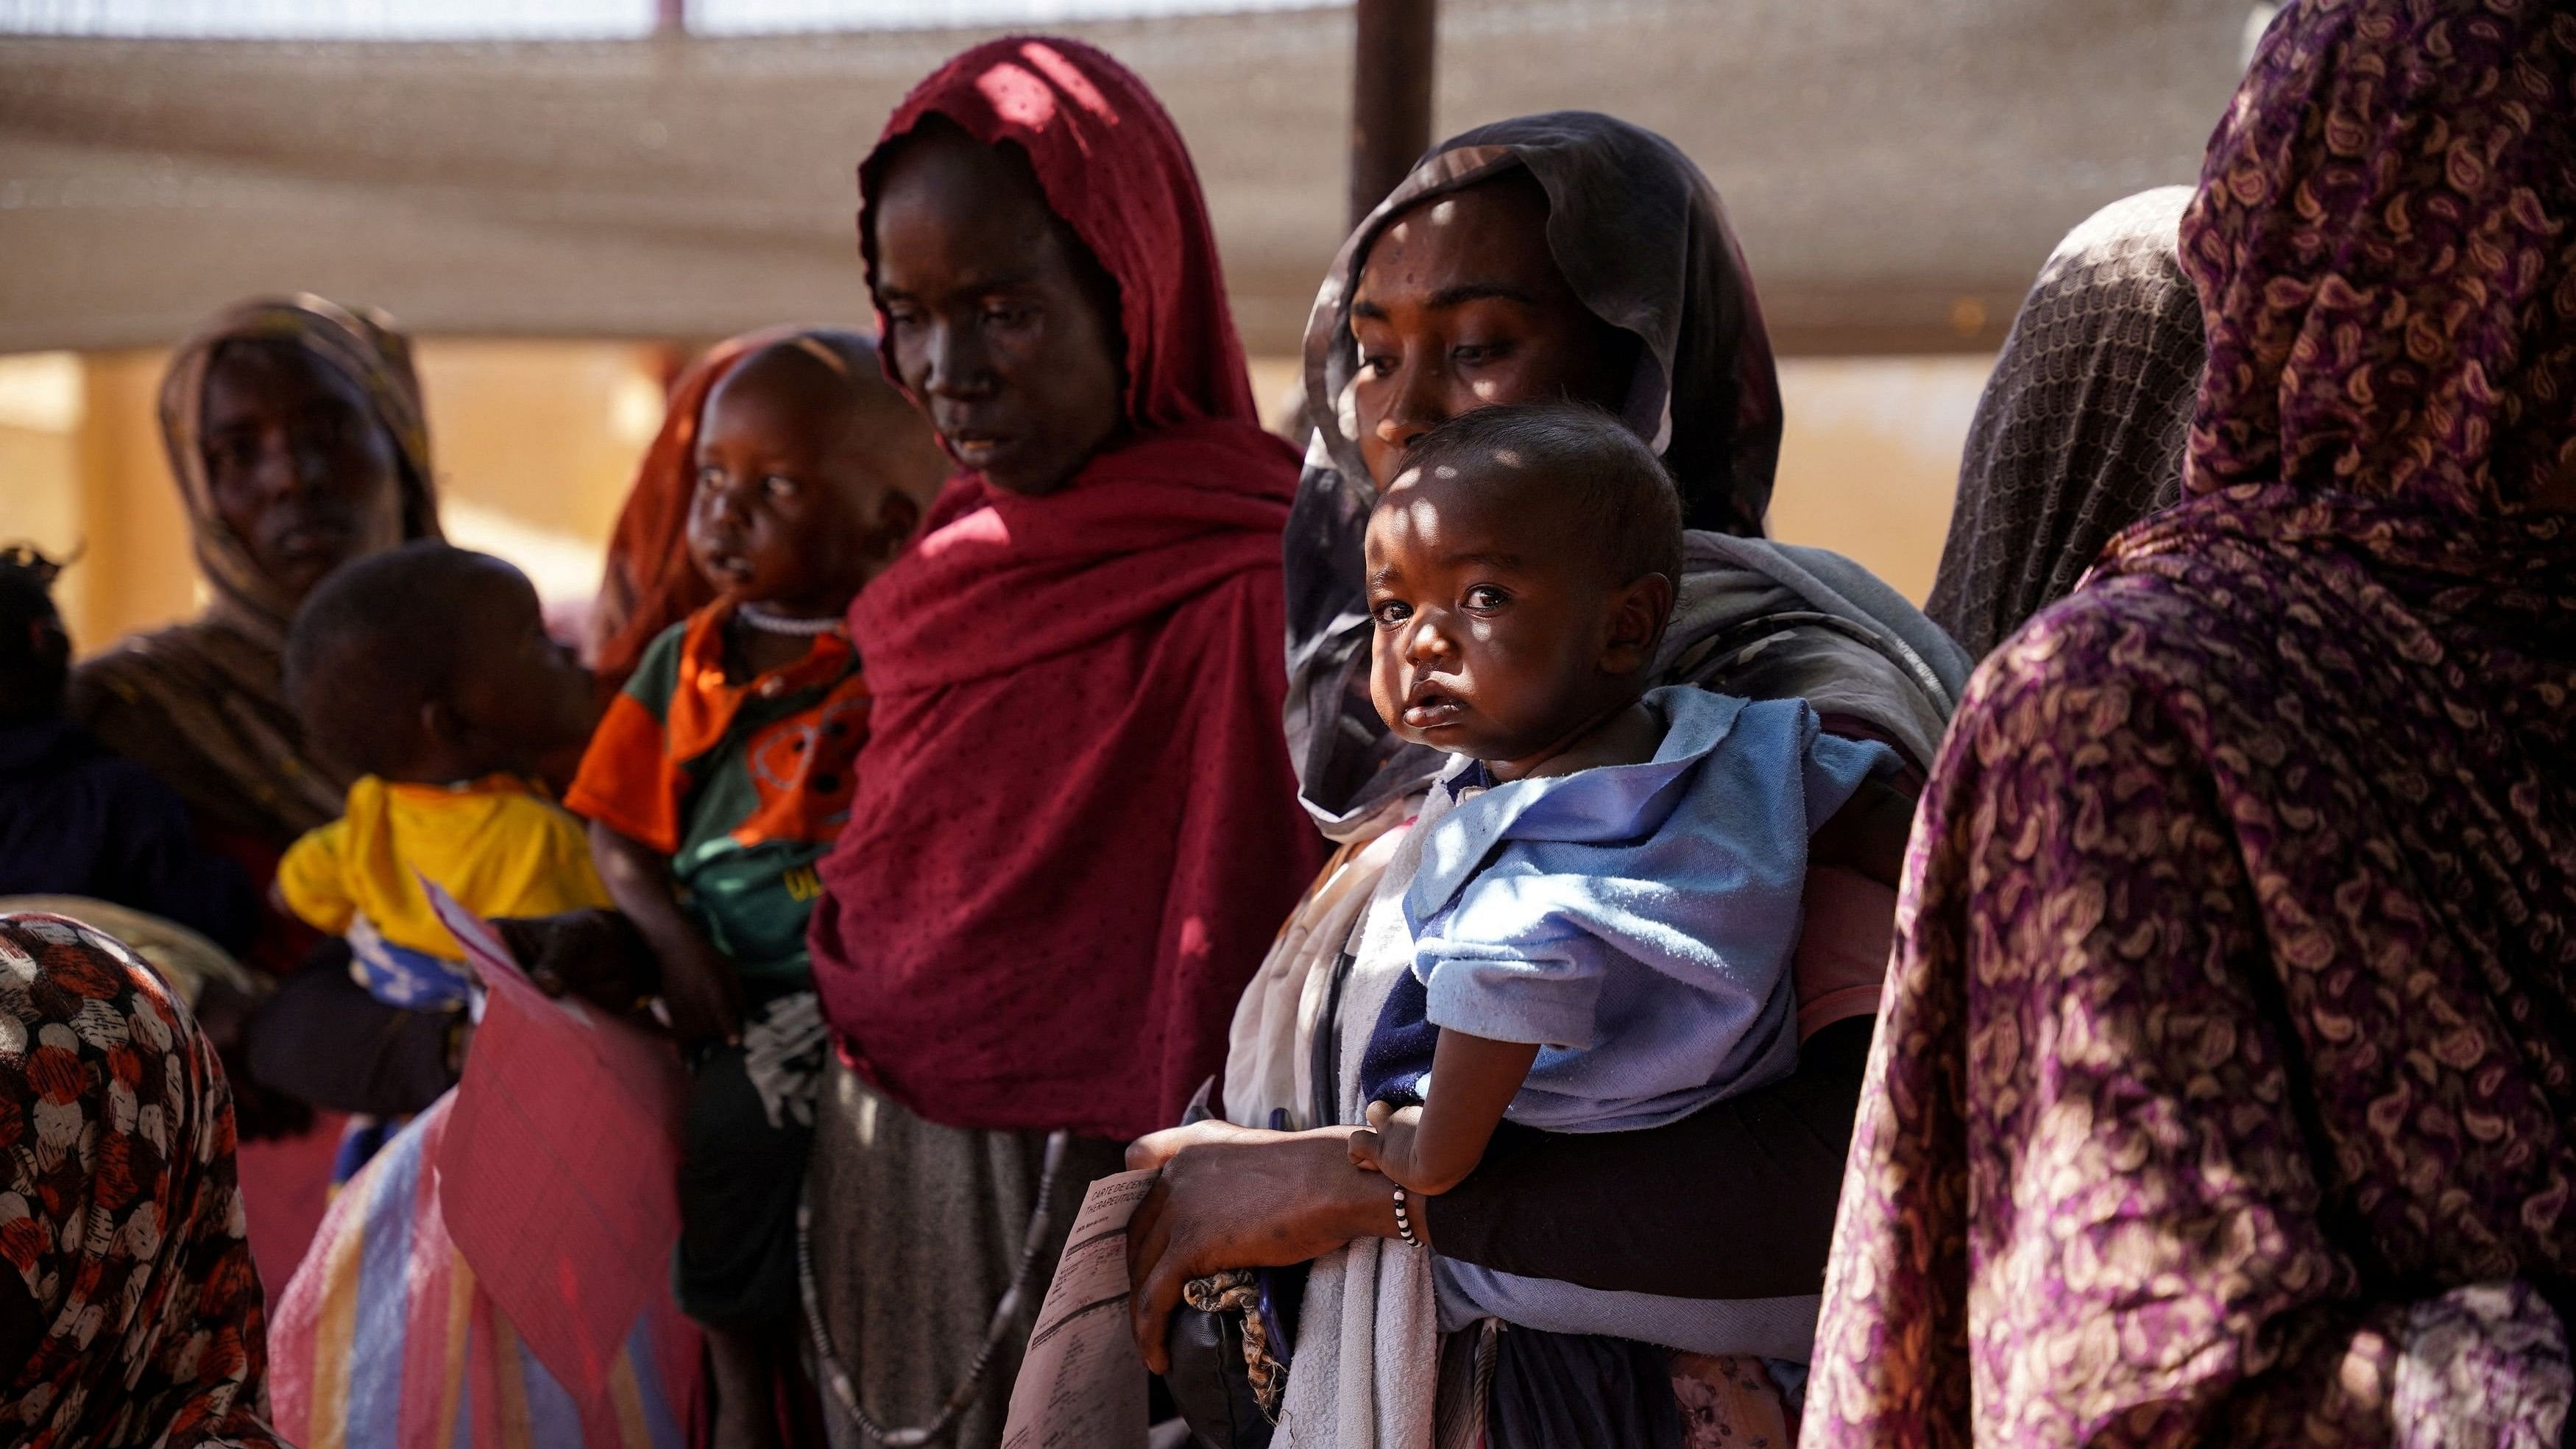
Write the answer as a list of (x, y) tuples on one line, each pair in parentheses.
[(1415, 404), (284, 467), (959, 363)]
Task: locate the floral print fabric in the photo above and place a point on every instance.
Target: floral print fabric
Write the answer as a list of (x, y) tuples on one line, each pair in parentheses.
[(118, 1209), (2224, 1088)]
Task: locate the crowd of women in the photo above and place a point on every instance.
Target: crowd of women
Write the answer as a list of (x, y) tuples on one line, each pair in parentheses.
[(2202, 1071)]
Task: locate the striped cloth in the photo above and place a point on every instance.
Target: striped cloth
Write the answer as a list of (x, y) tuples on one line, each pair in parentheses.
[(384, 1339)]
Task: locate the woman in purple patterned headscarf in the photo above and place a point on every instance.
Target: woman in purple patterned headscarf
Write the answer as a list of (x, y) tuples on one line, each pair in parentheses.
[(2226, 1091)]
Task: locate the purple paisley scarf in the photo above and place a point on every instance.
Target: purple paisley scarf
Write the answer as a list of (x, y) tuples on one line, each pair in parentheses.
[(2226, 1090)]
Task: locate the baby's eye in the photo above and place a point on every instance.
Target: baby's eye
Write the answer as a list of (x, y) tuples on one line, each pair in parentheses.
[(1005, 314), (778, 487), (710, 479), (1391, 612), (1486, 596)]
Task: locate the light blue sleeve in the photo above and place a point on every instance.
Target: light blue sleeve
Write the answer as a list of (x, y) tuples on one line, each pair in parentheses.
[(1529, 975)]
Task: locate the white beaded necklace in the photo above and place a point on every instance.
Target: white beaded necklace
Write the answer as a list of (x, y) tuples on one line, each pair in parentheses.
[(768, 623)]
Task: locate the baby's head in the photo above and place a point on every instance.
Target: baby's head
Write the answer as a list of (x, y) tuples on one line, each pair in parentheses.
[(35, 651), (1520, 571), (811, 472), (430, 665)]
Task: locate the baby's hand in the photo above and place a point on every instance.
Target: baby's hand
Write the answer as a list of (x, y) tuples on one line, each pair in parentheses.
[(1386, 1143), (704, 995)]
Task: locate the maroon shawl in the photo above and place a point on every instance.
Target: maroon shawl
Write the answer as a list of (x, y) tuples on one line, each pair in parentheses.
[(2226, 1091), (1076, 830)]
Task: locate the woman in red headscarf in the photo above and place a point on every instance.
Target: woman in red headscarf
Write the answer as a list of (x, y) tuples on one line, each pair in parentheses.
[(1076, 827)]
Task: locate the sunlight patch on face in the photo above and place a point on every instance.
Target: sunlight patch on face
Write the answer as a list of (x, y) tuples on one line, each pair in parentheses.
[(1443, 212), (1410, 477), (1347, 410), (1506, 458), (1484, 389), (1397, 232)]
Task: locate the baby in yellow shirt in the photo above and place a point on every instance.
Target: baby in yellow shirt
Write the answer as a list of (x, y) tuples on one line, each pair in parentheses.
[(429, 669)]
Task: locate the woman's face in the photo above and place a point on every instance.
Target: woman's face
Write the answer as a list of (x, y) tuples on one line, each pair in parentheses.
[(1460, 306), (300, 470), (1001, 326)]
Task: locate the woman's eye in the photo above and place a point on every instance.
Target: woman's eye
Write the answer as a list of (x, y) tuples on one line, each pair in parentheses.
[(1377, 365), (1476, 353)]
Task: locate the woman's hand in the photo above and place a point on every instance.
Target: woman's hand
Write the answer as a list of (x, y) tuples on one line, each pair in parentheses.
[(1234, 1197)]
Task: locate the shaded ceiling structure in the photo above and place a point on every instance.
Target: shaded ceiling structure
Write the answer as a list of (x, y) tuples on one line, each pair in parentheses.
[(1897, 169)]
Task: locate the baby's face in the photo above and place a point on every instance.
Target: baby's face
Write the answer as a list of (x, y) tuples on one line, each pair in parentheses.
[(527, 701), (781, 512), (1493, 625)]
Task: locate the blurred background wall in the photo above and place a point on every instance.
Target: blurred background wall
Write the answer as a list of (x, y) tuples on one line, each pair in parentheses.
[(536, 442), (562, 199)]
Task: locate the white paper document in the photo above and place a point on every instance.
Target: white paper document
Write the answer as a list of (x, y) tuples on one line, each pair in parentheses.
[(1081, 1385)]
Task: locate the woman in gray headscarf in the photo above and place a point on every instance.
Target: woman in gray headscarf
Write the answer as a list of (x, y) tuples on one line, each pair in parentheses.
[(2080, 431), (1559, 255)]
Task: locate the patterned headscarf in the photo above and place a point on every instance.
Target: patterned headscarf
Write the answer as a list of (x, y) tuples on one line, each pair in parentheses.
[(2080, 430), (202, 704), (2226, 1086), (118, 1209)]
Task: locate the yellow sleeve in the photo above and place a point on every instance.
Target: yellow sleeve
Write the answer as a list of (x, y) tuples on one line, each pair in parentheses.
[(582, 886), (551, 870), (311, 882)]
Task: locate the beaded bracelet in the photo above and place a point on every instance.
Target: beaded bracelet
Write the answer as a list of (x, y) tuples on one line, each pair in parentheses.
[(1404, 1221)]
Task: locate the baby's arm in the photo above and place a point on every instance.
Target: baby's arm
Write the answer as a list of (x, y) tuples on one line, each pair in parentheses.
[(1431, 1149), (310, 885), (701, 987)]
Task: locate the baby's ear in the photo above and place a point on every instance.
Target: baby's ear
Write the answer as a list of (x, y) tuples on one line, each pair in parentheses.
[(1637, 615), (898, 518), (442, 724)]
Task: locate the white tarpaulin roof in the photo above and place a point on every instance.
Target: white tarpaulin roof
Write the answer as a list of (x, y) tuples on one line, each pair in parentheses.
[(1897, 168)]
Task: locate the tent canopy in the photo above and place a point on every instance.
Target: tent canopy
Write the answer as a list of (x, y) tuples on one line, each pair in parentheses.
[(1897, 169)]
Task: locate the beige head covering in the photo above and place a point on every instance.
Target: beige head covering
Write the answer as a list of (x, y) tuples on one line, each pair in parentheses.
[(202, 704)]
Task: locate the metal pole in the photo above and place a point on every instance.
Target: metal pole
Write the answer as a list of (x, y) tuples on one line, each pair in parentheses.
[(1390, 96)]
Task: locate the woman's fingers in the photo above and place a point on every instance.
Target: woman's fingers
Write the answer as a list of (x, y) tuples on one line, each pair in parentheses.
[(1148, 1236)]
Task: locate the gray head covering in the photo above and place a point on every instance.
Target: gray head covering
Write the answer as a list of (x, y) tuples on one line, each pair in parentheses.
[(1643, 241), (2081, 429)]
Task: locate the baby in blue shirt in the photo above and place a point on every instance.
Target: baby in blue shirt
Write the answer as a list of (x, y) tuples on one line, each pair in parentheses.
[(1609, 886)]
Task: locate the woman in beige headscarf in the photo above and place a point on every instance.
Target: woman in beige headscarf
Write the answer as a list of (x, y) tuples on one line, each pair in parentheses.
[(294, 430)]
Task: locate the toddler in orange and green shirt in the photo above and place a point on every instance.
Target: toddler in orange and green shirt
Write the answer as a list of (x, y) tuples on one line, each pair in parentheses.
[(720, 776)]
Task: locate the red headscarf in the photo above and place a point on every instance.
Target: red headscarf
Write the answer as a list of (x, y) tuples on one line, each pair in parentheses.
[(1076, 829)]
